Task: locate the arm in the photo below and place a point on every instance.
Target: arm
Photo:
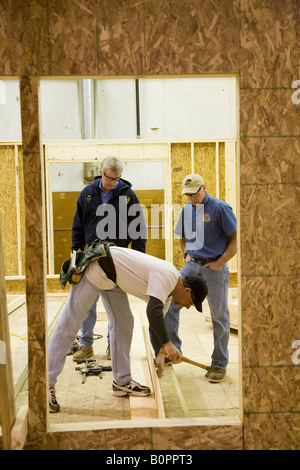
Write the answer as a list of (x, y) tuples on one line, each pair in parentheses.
[(182, 242), (226, 256), (158, 326), (78, 238), (139, 243)]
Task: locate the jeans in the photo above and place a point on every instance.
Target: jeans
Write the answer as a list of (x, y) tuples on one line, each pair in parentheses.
[(87, 331), (81, 298), (217, 297)]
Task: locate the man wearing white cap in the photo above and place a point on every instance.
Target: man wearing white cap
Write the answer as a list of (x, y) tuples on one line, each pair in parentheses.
[(208, 230)]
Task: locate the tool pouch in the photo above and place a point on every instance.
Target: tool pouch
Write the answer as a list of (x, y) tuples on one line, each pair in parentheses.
[(97, 250)]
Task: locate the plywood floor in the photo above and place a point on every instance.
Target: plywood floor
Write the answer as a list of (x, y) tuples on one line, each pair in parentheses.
[(184, 390)]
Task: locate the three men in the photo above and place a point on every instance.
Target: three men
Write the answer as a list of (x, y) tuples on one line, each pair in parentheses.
[(207, 227)]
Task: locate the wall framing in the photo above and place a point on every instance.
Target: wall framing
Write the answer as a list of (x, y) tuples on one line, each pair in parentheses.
[(146, 151), (216, 158)]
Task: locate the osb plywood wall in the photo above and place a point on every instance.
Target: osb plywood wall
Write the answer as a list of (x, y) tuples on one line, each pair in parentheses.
[(12, 210), (257, 40)]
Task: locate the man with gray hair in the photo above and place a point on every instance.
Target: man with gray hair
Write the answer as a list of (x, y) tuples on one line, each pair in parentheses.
[(110, 210)]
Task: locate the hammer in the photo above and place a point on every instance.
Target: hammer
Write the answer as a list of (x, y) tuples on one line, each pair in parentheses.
[(188, 361)]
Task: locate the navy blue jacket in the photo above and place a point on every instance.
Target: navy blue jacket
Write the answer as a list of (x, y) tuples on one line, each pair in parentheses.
[(121, 220)]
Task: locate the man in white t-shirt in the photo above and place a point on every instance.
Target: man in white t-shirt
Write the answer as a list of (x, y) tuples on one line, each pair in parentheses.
[(151, 279)]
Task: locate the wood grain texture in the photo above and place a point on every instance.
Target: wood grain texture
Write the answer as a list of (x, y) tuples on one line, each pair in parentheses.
[(257, 39), (181, 166), (7, 398), (35, 255), (208, 437), (8, 209), (270, 160), (270, 227), (189, 37), (73, 36), (205, 164), (279, 431), (120, 37), (26, 28), (200, 435), (269, 54), (271, 389), (271, 315), (269, 113)]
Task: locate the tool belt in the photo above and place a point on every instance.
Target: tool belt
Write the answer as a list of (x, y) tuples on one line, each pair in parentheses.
[(97, 250)]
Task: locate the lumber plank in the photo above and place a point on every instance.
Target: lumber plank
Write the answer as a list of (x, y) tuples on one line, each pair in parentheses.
[(141, 407), (155, 381), (7, 393)]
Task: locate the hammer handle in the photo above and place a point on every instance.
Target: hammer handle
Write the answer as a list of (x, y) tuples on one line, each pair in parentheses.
[(189, 361), (194, 363)]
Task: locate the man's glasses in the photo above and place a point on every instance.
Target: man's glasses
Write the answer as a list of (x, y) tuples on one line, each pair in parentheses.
[(193, 194), (110, 178)]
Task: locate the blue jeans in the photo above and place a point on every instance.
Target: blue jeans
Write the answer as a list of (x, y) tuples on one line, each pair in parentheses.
[(87, 331), (217, 297)]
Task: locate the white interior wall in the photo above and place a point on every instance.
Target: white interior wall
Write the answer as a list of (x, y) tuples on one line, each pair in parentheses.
[(188, 108), (170, 108), (60, 119), (115, 109), (142, 175), (66, 177), (10, 111)]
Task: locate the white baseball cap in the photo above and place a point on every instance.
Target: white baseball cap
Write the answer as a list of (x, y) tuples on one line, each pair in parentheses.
[(191, 184)]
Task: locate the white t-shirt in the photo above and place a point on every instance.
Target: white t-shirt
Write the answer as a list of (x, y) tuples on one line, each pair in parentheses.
[(138, 274)]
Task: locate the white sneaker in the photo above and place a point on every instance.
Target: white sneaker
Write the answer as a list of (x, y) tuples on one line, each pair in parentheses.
[(130, 388), (54, 407)]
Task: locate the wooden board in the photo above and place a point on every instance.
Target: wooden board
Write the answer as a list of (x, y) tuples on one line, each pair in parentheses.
[(142, 407), (155, 381), (7, 394)]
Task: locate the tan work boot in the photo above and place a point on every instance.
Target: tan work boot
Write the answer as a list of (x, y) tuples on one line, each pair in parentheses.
[(83, 353)]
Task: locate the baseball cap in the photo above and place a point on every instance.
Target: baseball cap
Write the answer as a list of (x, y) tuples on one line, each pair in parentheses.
[(192, 183), (199, 289)]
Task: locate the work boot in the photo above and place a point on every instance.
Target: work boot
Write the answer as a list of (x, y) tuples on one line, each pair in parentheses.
[(83, 353), (215, 374), (54, 407)]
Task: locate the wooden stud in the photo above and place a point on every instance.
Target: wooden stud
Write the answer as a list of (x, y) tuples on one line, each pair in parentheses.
[(35, 248), (7, 393)]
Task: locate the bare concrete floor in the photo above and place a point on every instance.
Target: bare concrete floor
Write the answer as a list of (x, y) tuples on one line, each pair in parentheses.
[(185, 390)]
